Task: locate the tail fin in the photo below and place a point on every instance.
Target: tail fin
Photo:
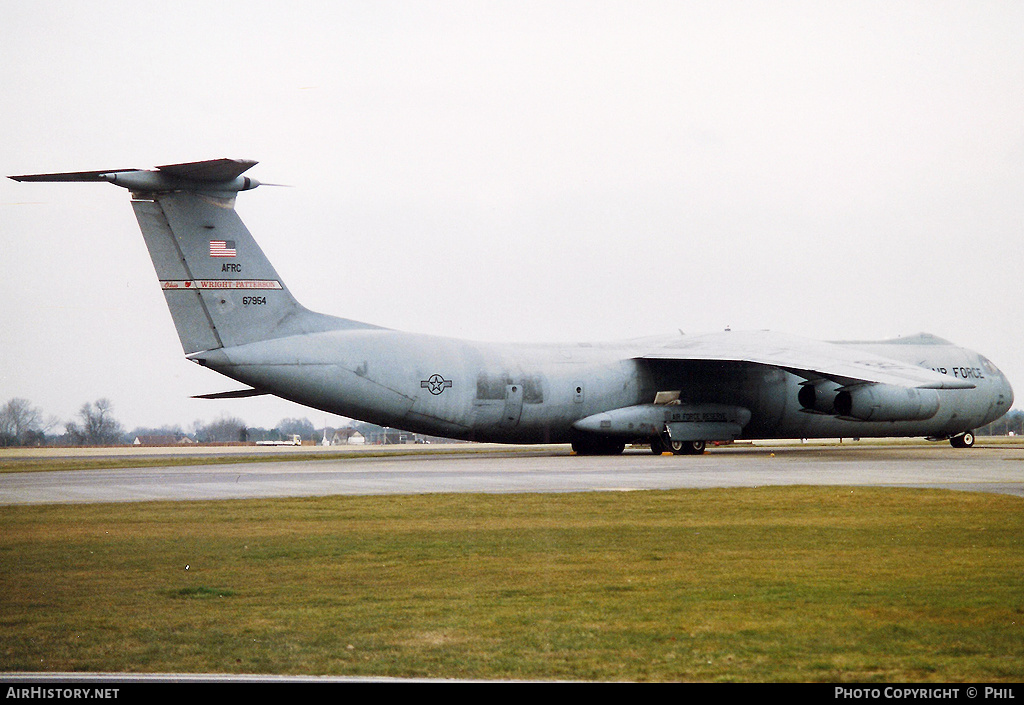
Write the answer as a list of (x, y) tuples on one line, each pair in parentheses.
[(220, 288)]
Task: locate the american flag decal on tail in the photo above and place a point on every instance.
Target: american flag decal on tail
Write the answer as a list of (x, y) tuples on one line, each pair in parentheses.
[(222, 248)]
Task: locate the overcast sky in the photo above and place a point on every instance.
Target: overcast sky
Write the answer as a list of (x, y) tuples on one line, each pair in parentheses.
[(548, 171)]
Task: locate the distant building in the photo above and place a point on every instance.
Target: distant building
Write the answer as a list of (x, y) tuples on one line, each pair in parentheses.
[(347, 436)]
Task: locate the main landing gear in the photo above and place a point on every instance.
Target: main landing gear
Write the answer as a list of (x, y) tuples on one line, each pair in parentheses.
[(664, 444)]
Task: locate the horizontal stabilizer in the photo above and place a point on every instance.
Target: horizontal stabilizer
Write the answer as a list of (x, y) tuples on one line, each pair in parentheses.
[(217, 177), (234, 394), (71, 175)]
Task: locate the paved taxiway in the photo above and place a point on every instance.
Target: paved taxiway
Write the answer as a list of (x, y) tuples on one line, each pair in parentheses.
[(997, 468)]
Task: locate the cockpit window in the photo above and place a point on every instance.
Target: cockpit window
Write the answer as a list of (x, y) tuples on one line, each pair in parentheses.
[(987, 365)]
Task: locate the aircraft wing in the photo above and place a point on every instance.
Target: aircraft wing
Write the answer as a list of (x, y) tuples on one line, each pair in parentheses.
[(811, 359)]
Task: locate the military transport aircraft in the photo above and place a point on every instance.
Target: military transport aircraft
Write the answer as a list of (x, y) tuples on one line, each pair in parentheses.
[(678, 392)]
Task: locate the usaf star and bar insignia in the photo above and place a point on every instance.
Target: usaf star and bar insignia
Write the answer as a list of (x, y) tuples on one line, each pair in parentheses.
[(435, 384)]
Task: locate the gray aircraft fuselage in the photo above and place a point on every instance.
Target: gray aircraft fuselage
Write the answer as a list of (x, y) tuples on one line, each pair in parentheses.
[(234, 315), (535, 393)]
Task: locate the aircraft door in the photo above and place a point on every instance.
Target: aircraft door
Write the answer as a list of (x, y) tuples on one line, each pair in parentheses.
[(513, 404)]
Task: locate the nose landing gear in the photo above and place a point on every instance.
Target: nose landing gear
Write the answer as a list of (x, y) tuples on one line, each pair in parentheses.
[(964, 440)]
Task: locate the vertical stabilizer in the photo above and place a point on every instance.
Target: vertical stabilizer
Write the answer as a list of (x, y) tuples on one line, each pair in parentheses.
[(220, 288)]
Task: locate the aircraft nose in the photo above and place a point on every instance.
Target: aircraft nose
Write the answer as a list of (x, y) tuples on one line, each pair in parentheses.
[(1000, 386)]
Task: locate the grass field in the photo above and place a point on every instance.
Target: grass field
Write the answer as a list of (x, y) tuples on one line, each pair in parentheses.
[(769, 584)]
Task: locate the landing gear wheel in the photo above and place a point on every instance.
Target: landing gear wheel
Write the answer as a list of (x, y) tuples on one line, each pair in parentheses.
[(687, 447), (964, 440)]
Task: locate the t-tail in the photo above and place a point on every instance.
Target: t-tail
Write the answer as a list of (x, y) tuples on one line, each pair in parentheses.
[(221, 289)]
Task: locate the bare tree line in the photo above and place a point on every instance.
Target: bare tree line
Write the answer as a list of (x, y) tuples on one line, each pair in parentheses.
[(24, 424)]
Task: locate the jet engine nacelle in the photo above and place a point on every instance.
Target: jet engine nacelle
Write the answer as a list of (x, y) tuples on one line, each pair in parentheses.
[(884, 402), (819, 397)]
